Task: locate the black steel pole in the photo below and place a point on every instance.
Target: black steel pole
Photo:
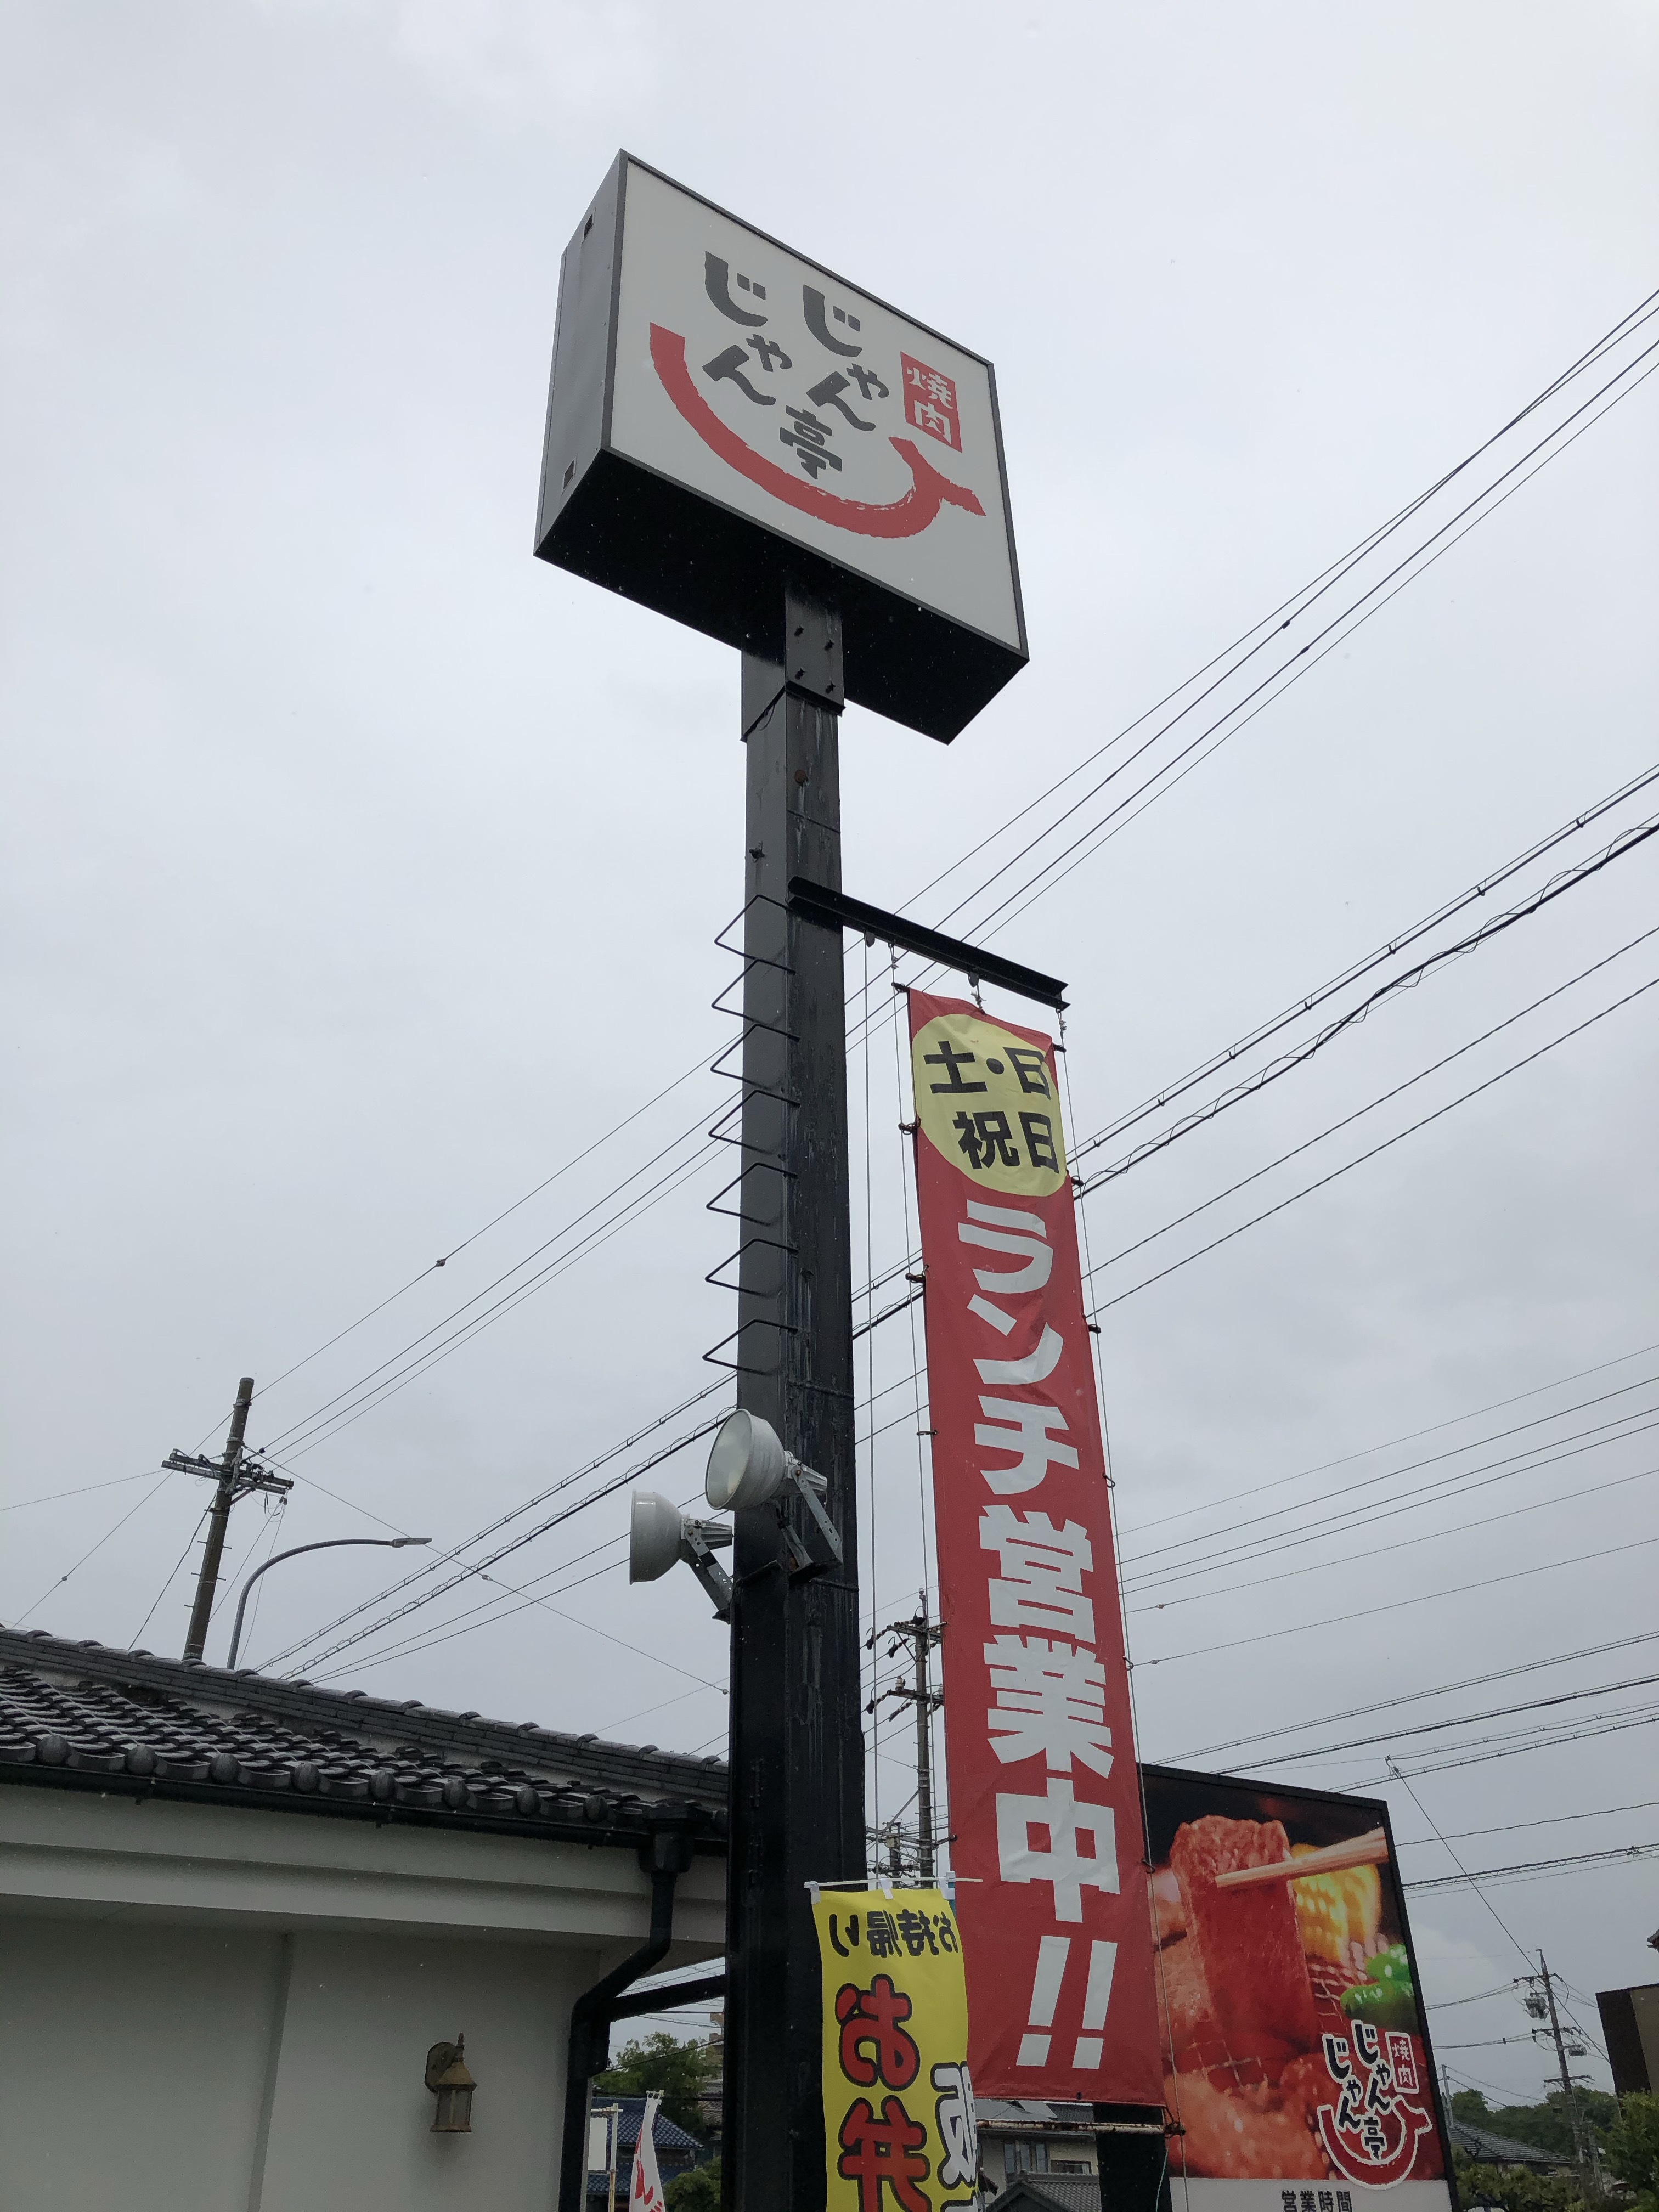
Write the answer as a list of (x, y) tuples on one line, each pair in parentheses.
[(797, 1750), (218, 1521)]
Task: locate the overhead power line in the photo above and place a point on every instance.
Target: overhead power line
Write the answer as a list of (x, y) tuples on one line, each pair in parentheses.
[(1510, 1827), (1270, 625), (1228, 725), (298, 1435), (1370, 1106), (1258, 1546), (528, 1536), (1369, 1552), (1253, 1521), (1396, 1605), (1401, 941), (57, 1582), (83, 1490), (1628, 841), (1460, 1720), (1527, 1867), (1106, 1305), (1416, 1696), (514, 1513), (1487, 1748), (1256, 1490), (1193, 755), (494, 1221)]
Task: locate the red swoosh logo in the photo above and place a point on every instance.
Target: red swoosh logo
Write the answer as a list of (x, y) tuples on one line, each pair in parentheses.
[(901, 518)]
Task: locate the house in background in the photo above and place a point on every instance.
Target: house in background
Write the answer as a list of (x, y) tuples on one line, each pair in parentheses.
[(1488, 2149), (676, 2151), (235, 1915), (1051, 2192), (1020, 2135)]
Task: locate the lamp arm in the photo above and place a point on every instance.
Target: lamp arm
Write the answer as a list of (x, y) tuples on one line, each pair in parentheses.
[(325, 1544), (696, 1550), (806, 1484)]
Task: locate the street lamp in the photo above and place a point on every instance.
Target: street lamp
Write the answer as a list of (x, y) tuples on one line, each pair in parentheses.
[(328, 1544)]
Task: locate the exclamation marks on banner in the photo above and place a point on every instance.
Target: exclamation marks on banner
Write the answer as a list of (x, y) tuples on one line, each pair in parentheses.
[(1102, 1957), (1051, 1953)]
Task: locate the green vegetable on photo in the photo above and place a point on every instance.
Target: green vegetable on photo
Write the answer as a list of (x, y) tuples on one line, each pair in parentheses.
[(1387, 2000)]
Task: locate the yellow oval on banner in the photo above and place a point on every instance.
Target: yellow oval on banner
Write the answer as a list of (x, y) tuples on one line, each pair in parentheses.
[(986, 1099)]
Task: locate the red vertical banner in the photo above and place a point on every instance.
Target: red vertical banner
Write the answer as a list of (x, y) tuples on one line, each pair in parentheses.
[(1045, 1810)]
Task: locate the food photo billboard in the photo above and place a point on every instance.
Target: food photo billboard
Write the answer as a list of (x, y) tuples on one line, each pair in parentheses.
[(726, 415), (1297, 2058)]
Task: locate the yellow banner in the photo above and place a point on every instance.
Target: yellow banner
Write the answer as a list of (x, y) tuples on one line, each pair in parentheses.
[(898, 2107)]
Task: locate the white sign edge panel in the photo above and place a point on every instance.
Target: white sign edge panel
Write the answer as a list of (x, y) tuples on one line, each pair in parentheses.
[(1207, 2193), (1012, 640)]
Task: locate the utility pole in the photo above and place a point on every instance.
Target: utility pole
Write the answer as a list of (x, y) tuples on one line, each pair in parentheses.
[(236, 1476), (920, 1636), (1582, 2144), (796, 1753)]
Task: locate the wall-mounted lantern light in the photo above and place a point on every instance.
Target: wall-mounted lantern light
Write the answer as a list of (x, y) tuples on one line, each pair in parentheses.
[(448, 2078)]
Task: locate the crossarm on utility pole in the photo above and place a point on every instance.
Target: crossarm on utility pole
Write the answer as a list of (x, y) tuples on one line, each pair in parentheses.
[(224, 1496)]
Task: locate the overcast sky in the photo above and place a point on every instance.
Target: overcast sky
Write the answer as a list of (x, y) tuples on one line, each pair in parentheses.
[(360, 870)]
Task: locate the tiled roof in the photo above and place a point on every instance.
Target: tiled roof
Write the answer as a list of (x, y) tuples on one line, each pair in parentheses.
[(1029, 2113), (1048, 2192), (668, 2134), (1488, 2149), (81, 1715), (676, 2150)]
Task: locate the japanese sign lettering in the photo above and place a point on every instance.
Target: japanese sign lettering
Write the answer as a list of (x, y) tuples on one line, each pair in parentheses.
[(701, 362), (1044, 1804), (1296, 2059), (799, 401), (898, 2100)]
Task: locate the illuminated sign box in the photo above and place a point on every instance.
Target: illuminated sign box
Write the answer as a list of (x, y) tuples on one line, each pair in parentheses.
[(726, 415)]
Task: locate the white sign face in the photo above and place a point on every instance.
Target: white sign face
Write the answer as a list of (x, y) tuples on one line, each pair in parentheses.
[(757, 380)]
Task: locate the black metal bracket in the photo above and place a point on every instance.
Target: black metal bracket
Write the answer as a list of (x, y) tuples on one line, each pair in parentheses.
[(588, 2050), (833, 910)]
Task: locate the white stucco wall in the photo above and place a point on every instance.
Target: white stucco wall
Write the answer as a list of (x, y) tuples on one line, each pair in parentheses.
[(203, 2009)]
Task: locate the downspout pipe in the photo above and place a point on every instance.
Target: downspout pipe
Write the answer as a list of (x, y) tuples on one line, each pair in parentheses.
[(665, 1858)]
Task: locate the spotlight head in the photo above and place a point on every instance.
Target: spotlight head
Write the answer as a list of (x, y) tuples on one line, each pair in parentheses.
[(747, 1465), (654, 1536), (660, 1535)]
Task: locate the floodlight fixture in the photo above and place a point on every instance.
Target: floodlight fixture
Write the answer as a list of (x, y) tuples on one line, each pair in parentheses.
[(659, 1536), (749, 1466)]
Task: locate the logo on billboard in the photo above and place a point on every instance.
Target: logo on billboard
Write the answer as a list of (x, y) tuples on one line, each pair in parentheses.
[(1372, 2133), (806, 432)]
